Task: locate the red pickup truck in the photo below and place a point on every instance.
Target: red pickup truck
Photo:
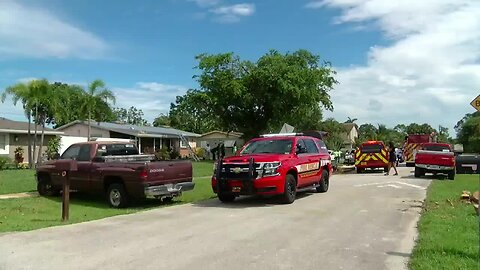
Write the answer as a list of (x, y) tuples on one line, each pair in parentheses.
[(275, 164), (435, 158), (116, 170)]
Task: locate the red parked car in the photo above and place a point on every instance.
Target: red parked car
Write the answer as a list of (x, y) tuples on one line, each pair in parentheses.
[(435, 158), (275, 164)]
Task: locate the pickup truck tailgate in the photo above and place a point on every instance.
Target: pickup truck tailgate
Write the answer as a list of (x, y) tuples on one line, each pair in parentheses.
[(169, 172), (435, 158)]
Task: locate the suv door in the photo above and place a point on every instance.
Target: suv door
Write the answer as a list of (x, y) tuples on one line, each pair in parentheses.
[(303, 160), (314, 159)]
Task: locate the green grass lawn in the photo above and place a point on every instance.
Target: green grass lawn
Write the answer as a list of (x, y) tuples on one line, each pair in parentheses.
[(448, 235), (40, 212), (15, 181)]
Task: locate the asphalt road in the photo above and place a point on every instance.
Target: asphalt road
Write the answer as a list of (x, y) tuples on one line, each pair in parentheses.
[(364, 221)]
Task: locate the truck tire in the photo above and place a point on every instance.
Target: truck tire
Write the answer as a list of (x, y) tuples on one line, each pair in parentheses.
[(359, 170), (419, 172), (45, 187), (290, 190), (451, 175), (117, 196), (226, 197), (324, 183)]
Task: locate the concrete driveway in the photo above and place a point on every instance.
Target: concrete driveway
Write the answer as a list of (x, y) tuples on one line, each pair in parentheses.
[(365, 221)]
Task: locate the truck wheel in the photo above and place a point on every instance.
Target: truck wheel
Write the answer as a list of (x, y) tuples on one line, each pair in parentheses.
[(359, 170), (45, 187), (226, 197), (324, 183), (419, 172), (290, 190), (117, 196), (167, 199), (451, 175)]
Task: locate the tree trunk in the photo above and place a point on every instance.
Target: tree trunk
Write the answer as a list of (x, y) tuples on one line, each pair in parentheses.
[(39, 159), (89, 125), (35, 136), (29, 138)]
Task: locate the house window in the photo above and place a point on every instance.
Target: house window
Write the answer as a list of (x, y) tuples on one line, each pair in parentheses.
[(4, 147), (182, 144)]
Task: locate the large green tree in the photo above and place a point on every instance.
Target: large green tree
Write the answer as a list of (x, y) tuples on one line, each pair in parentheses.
[(193, 112), (255, 97), (132, 116), (336, 133), (468, 133)]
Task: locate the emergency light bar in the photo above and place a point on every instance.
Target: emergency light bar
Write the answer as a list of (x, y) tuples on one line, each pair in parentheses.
[(281, 135)]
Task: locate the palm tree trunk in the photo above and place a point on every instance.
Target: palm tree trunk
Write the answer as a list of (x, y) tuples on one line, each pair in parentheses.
[(89, 125), (39, 159), (35, 135), (30, 156)]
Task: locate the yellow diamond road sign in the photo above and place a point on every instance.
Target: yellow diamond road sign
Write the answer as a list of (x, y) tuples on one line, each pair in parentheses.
[(476, 103)]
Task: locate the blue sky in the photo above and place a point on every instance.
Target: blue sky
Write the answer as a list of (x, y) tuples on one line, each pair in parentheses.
[(386, 54)]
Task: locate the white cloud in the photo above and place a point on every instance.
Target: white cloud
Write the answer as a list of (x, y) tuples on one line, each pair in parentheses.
[(224, 13), (32, 32), (206, 3), (233, 13), (151, 97), (429, 72)]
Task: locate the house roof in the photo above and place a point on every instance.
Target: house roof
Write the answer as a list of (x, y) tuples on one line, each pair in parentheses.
[(232, 134), (350, 126), (134, 130), (17, 127)]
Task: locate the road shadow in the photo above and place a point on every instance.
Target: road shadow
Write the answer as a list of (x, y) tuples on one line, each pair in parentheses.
[(440, 177), (399, 254), (249, 201), (99, 202)]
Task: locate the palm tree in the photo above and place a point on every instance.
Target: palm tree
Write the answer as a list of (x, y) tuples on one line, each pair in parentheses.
[(29, 95), (351, 120), (96, 91), (43, 99)]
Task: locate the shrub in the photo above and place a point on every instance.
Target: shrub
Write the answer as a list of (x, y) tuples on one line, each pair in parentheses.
[(22, 166), (162, 154), (18, 155), (200, 152), (53, 147), (4, 162)]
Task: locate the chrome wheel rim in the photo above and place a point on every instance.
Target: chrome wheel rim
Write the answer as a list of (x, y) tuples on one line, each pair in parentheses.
[(115, 197)]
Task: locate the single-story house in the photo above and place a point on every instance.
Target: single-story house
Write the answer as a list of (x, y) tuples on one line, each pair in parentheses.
[(216, 137), (14, 134), (148, 139), (350, 136)]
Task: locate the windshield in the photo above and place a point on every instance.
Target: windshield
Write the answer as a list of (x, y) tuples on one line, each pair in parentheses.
[(371, 148), (283, 146), (440, 148)]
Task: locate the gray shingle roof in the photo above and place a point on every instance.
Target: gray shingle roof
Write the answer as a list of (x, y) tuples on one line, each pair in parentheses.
[(18, 126), (139, 131)]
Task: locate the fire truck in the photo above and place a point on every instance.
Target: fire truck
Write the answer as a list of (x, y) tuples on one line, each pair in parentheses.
[(412, 145), (371, 155)]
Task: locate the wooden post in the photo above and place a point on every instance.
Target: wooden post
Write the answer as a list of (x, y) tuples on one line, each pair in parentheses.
[(66, 196)]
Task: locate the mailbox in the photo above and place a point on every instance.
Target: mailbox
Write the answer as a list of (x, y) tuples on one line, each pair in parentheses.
[(468, 164), (66, 165)]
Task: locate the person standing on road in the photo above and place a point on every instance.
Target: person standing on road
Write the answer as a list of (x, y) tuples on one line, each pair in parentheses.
[(392, 159)]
